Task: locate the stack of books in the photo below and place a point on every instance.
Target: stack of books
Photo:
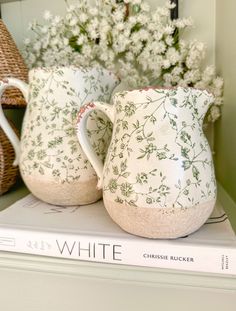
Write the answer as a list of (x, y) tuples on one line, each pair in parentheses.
[(88, 233)]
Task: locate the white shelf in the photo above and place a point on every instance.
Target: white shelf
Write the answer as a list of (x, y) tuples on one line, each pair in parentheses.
[(72, 285), (120, 273)]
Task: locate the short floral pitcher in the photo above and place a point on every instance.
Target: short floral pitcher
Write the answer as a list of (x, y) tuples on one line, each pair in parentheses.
[(51, 161), (158, 179)]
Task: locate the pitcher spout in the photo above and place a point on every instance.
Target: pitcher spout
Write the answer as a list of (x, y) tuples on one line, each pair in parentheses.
[(204, 103)]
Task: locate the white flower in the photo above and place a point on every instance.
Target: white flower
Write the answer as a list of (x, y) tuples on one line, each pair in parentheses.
[(167, 77), (138, 44), (214, 113), (166, 63), (218, 101), (195, 54), (145, 7), (170, 5), (81, 39), (31, 58), (71, 8), (86, 49), (200, 84), (53, 31), (118, 15), (54, 42), (37, 46), (44, 29), (32, 25), (192, 76), (129, 56), (73, 21), (126, 32), (75, 31), (217, 92), (151, 26), (184, 22), (218, 83), (208, 74), (65, 41), (158, 47), (47, 15), (93, 11), (83, 17), (27, 41), (169, 29), (56, 20), (69, 16), (120, 26), (162, 12), (173, 55), (169, 40), (182, 83), (177, 71), (133, 1)]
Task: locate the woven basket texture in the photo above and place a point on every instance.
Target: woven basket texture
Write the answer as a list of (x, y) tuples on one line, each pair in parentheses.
[(8, 172), (11, 65)]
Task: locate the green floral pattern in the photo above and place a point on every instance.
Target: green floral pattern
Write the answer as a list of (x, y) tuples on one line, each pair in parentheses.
[(159, 156), (49, 146)]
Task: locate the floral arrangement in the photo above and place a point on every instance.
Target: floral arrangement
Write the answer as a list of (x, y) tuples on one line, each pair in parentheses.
[(143, 46)]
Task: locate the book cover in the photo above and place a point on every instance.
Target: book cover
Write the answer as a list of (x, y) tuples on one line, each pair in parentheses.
[(88, 233)]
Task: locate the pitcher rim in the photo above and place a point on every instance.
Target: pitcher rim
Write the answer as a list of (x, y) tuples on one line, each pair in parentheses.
[(148, 88), (42, 68)]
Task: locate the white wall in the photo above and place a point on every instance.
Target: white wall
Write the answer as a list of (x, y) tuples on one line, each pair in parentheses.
[(17, 16), (226, 127)]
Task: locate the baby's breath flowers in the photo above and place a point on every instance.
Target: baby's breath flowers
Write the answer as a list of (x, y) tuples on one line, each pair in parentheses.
[(143, 46)]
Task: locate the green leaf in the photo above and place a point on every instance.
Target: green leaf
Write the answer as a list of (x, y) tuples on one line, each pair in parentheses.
[(125, 125), (126, 174), (41, 170), (173, 101), (136, 8), (195, 172), (188, 182), (73, 44), (115, 170), (153, 119), (123, 166), (186, 165), (184, 152), (136, 27), (136, 125)]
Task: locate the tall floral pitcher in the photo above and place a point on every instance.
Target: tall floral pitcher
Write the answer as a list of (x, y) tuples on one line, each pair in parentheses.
[(158, 180), (51, 161)]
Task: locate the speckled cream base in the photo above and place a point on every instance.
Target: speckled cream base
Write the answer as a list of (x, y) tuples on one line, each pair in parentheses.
[(77, 193), (161, 223)]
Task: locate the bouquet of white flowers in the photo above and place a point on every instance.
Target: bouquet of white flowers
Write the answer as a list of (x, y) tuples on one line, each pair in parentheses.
[(143, 47)]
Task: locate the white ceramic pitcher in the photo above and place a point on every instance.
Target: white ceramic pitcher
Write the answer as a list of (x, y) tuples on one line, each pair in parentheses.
[(158, 180), (51, 161)]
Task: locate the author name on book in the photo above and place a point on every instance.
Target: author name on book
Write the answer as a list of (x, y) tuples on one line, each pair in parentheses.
[(168, 257)]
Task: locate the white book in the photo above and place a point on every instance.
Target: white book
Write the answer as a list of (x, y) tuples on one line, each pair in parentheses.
[(88, 233)]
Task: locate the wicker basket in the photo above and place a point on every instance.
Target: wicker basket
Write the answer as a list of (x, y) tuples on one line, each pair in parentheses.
[(8, 172), (11, 65)]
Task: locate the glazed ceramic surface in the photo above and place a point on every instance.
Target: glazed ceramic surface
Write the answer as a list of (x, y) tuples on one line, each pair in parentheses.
[(51, 161), (158, 179)]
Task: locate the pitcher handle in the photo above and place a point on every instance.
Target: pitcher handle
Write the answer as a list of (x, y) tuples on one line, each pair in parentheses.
[(11, 135), (83, 137)]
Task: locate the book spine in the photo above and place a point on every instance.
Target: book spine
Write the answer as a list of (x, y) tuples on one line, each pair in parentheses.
[(148, 253)]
